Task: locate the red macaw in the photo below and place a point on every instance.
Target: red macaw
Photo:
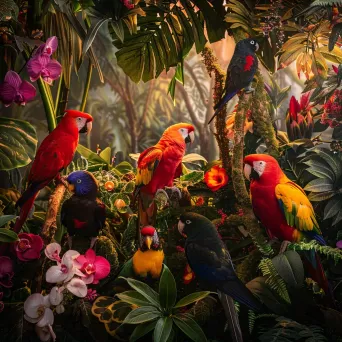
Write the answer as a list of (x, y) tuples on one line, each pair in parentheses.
[(158, 166), (283, 209), (54, 154)]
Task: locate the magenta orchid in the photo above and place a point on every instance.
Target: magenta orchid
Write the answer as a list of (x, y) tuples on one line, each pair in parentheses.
[(28, 247), (64, 270), (14, 89), (6, 271), (41, 64), (91, 295), (49, 47), (93, 267)]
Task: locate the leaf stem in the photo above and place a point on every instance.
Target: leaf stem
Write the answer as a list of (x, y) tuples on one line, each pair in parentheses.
[(58, 96), (49, 113), (86, 86)]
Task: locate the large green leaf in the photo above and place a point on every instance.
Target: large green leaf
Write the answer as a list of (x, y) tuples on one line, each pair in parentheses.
[(192, 157), (319, 185), (333, 207), (191, 298), (91, 34), (133, 297), (163, 329), (18, 143), (90, 155), (151, 295), (193, 177), (141, 330), (6, 218), (189, 327), (165, 36), (142, 315), (7, 235), (8, 9), (167, 289), (124, 167)]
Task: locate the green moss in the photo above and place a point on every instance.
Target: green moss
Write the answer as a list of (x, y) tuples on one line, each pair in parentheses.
[(104, 247)]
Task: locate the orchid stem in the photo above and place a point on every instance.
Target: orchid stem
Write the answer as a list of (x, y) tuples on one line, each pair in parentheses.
[(86, 86), (49, 113), (58, 96)]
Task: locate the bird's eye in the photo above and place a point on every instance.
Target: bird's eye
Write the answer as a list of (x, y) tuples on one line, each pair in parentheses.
[(252, 42), (79, 181), (79, 119), (187, 221)]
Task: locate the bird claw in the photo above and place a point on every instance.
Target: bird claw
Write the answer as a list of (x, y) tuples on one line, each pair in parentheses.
[(174, 189), (283, 246), (161, 191)]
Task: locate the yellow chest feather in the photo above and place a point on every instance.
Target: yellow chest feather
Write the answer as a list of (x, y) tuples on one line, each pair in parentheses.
[(149, 262)]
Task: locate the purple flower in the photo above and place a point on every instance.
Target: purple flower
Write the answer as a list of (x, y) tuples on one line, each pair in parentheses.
[(91, 295), (14, 89), (45, 67), (339, 244), (49, 47)]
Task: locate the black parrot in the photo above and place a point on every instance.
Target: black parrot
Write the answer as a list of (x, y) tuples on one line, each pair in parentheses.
[(83, 214), (210, 261), (240, 72)]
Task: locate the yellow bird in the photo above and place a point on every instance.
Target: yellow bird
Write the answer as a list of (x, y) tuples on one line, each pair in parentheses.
[(148, 259)]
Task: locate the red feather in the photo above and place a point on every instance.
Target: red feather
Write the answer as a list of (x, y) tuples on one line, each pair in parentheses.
[(249, 63), (79, 224)]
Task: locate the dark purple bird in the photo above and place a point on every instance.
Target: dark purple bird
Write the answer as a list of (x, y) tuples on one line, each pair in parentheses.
[(83, 214), (240, 72)]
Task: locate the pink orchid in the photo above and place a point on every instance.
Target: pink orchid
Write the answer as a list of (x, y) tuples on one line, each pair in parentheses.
[(64, 270), (49, 47), (28, 247), (55, 296), (93, 267), (14, 89), (339, 244), (37, 310), (45, 67), (52, 251), (77, 287), (6, 271), (45, 333)]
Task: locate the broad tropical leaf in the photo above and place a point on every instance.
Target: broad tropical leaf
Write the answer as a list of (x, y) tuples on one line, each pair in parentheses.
[(18, 143), (142, 315), (189, 327), (191, 298), (167, 289), (162, 329)]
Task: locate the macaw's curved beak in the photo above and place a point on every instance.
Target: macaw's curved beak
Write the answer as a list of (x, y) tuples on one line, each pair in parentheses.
[(71, 187), (190, 138), (256, 46), (250, 173), (148, 241), (87, 127)]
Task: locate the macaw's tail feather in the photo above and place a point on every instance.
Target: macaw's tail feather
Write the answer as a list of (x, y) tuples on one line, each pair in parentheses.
[(146, 217), (232, 316), (24, 211), (239, 292), (30, 192), (315, 269), (222, 103)]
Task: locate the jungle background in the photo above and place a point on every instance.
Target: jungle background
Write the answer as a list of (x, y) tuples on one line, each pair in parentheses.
[(138, 67)]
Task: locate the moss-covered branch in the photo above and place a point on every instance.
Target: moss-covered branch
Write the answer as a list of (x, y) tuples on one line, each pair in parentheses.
[(213, 66), (50, 224), (262, 121)]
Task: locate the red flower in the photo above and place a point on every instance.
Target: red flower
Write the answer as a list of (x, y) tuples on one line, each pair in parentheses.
[(333, 110), (180, 249), (6, 272), (128, 4), (200, 201), (188, 275), (91, 295), (216, 178), (28, 247)]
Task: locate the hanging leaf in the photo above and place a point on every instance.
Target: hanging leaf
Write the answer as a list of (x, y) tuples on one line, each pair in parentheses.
[(106, 154), (6, 218), (8, 10), (91, 34), (18, 143), (189, 327), (319, 185), (7, 235)]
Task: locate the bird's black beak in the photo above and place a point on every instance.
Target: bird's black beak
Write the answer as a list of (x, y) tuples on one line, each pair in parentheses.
[(87, 127), (190, 138), (254, 175)]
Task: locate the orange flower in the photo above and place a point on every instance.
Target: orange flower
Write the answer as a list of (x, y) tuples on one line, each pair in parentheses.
[(216, 178), (248, 127), (188, 275), (109, 186)]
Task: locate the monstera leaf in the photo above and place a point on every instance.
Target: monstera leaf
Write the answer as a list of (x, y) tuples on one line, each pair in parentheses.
[(8, 9), (18, 143)]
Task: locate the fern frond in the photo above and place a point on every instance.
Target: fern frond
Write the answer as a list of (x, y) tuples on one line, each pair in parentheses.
[(251, 320), (273, 279), (326, 3), (263, 246), (328, 251)]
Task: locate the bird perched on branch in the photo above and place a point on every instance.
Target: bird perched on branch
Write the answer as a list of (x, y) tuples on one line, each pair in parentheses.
[(83, 214), (240, 72), (54, 154), (157, 167), (209, 259), (284, 210)]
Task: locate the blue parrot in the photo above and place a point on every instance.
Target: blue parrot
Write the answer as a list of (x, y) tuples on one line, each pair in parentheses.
[(240, 72), (83, 214), (210, 261)]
